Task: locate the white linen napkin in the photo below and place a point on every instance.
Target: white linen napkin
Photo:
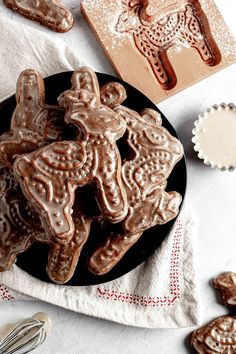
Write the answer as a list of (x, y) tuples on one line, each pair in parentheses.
[(162, 292)]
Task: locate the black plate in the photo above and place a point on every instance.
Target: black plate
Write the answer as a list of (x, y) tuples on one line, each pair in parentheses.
[(34, 260)]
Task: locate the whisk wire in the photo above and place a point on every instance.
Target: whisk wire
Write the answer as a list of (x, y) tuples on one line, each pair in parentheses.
[(25, 337)]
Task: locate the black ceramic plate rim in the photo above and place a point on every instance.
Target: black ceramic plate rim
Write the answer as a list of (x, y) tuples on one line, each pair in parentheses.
[(149, 242)]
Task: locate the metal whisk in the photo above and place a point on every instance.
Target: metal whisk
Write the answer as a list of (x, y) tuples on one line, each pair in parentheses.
[(26, 336)]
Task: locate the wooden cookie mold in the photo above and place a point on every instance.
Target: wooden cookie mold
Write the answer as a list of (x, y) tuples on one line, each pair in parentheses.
[(163, 52)]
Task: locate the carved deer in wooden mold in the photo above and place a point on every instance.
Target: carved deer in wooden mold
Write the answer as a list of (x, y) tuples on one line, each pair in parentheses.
[(183, 22)]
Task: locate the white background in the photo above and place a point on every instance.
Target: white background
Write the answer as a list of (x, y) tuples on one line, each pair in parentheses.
[(211, 197)]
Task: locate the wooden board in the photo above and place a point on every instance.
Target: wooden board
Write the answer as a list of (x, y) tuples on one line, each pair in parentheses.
[(161, 47)]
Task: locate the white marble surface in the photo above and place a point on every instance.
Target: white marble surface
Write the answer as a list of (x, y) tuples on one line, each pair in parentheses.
[(211, 197)]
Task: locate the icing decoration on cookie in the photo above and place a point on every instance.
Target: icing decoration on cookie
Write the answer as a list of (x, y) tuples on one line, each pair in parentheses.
[(154, 154)]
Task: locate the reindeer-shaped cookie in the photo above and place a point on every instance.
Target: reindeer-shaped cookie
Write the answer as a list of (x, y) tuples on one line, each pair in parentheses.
[(19, 224), (63, 258), (154, 154), (50, 175), (184, 22), (33, 124)]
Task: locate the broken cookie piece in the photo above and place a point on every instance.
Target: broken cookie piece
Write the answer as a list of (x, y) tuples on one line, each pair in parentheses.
[(226, 284), (218, 336)]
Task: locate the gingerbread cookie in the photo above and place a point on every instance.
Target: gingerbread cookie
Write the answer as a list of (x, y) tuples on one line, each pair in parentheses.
[(219, 336), (19, 224), (33, 123), (50, 175), (154, 154), (63, 259), (50, 13), (226, 284)]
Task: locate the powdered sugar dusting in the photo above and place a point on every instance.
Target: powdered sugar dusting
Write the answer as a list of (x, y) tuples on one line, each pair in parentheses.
[(221, 34), (108, 13), (159, 5), (133, 40)]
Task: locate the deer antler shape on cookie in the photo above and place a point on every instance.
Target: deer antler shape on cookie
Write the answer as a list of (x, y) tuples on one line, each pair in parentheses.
[(33, 124), (155, 152), (50, 175), (154, 35), (50, 13)]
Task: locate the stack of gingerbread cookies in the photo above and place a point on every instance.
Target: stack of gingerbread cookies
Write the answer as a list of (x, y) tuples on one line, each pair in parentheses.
[(51, 153)]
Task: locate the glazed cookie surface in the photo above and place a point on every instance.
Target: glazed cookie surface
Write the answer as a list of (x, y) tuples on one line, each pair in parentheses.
[(226, 284), (33, 124), (19, 224), (88, 164), (50, 176), (50, 13), (219, 336), (154, 154)]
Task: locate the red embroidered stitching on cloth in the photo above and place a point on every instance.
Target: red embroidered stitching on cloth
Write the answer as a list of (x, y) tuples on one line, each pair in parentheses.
[(135, 298), (5, 294), (158, 300)]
